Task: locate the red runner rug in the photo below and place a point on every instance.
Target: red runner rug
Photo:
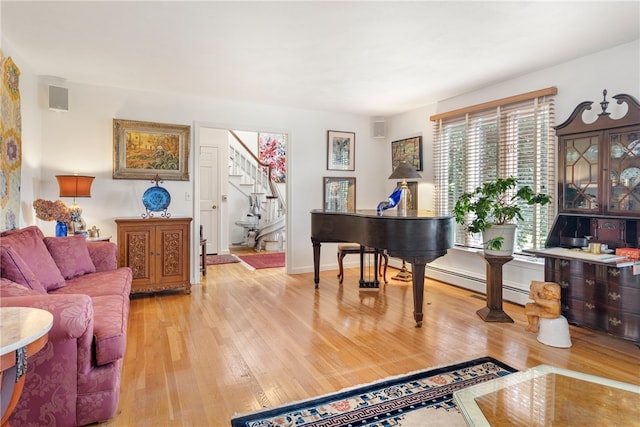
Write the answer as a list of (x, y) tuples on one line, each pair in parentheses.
[(221, 259), (269, 260)]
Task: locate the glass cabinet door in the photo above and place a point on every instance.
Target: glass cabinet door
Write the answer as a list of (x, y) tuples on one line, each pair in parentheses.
[(624, 172), (581, 173)]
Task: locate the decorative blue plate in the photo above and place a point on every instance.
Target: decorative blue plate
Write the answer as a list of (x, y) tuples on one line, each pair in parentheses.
[(156, 199)]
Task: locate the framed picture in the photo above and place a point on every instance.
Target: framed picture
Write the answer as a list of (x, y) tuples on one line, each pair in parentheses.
[(272, 151), (339, 194), (412, 203), (341, 151), (409, 149), (142, 150)]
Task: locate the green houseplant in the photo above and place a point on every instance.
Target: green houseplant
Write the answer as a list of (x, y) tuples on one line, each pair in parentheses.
[(492, 207)]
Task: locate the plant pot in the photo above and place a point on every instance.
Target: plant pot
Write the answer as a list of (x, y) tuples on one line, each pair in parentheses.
[(508, 234)]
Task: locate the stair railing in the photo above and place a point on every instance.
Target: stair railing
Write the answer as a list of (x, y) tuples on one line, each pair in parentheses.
[(259, 176)]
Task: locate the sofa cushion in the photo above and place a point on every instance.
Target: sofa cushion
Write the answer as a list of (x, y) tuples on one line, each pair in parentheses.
[(110, 327), (28, 243), (114, 282), (13, 267), (70, 255)]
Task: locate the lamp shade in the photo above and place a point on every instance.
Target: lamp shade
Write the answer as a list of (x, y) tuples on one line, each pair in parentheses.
[(404, 170), (75, 185)]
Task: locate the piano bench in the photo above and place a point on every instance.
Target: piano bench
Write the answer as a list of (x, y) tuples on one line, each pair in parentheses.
[(345, 249)]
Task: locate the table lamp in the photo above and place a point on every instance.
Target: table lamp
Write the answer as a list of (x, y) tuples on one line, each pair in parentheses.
[(404, 171), (75, 186)]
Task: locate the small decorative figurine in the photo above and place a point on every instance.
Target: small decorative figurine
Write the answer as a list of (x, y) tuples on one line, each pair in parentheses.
[(393, 201), (156, 199), (546, 297)]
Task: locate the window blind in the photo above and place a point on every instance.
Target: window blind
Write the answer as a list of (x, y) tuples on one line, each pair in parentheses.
[(510, 137)]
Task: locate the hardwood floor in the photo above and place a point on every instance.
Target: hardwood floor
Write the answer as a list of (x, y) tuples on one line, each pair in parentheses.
[(245, 340)]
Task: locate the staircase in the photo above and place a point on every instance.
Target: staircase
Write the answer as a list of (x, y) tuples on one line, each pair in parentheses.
[(265, 223)]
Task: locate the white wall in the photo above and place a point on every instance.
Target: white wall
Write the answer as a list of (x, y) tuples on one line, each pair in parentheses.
[(81, 140), (583, 79)]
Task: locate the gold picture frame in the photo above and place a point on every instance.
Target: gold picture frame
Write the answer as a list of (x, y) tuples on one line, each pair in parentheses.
[(142, 150), (409, 149), (339, 194), (412, 201)]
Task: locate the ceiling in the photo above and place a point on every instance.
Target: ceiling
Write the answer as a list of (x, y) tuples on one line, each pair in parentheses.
[(372, 58)]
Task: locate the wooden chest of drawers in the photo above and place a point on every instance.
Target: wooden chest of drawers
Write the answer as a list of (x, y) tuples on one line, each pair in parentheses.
[(598, 296)]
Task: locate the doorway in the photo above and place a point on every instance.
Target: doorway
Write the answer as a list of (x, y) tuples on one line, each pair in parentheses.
[(219, 204)]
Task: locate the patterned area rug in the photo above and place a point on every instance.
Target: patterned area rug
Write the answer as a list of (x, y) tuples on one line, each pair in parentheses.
[(268, 260), (416, 399), (221, 259)]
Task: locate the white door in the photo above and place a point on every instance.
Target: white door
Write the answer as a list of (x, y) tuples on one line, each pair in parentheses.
[(210, 197)]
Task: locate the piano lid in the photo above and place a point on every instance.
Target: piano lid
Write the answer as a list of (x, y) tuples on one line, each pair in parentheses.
[(388, 214)]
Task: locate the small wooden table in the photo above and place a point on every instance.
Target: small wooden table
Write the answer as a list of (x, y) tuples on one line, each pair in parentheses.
[(493, 311), (546, 395), (23, 332)]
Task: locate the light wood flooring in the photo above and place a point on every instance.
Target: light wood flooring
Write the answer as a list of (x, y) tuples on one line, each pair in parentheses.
[(245, 340)]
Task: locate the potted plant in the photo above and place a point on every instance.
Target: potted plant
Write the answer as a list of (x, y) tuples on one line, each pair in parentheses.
[(494, 212)]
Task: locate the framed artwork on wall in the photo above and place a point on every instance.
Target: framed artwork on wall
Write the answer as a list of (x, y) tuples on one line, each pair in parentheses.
[(272, 151), (409, 149), (142, 150), (341, 150), (339, 194)]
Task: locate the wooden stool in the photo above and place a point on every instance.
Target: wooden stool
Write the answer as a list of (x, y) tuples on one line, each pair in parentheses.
[(203, 254), (354, 248)]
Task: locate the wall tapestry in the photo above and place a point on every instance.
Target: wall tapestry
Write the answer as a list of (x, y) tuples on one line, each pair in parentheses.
[(10, 143), (272, 151)]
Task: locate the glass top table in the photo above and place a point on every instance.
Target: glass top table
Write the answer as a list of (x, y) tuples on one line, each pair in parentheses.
[(546, 395)]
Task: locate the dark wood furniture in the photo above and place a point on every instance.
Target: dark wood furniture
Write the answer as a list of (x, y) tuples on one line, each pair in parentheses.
[(419, 237), (493, 311), (158, 252), (203, 252), (348, 248), (598, 196)]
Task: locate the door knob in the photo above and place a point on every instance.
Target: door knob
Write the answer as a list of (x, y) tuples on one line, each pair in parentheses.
[(214, 207)]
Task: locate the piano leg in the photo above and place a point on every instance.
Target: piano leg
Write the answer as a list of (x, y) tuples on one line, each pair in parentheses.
[(417, 271), (316, 262)]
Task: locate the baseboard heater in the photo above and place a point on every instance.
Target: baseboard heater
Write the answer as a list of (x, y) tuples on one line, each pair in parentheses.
[(476, 283)]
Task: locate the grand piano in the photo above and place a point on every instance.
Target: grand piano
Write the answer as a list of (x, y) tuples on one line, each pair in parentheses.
[(418, 237)]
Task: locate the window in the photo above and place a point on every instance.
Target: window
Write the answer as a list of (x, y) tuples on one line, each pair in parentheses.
[(512, 136)]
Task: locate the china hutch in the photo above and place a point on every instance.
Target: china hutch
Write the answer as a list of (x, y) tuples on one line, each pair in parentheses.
[(598, 202)]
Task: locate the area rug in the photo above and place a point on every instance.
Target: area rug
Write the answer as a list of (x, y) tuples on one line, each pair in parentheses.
[(221, 259), (267, 260), (422, 398)]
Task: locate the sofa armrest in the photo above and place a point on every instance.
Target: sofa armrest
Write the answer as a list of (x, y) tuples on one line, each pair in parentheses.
[(104, 255), (72, 314), (51, 392)]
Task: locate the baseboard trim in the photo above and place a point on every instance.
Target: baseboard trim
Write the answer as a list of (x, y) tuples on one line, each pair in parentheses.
[(475, 283)]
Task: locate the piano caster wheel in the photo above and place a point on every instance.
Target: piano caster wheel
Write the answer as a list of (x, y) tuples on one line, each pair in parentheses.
[(418, 324)]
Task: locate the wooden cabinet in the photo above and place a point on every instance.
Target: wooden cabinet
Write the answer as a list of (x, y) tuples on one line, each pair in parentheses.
[(599, 162), (157, 250), (598, 196), (597, 295)]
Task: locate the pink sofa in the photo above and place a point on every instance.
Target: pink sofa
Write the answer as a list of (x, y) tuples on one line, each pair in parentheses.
[(75, 379)]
